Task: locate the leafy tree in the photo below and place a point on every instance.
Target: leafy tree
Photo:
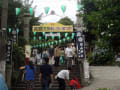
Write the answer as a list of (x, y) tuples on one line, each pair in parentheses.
[(66, 21), (102, 21)]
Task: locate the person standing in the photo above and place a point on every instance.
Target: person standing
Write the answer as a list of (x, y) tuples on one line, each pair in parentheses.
[(74, 55), (51, 55), (3, 85), (69, 55), (46, 74), (29, 74), (63, 78), (57, 53)]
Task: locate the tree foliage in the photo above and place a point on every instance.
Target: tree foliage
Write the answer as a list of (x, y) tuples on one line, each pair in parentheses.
[(102, 21), (66, 21)]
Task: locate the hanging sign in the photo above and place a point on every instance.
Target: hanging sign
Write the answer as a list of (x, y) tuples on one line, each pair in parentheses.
[(52, 34), (81, 46), (27, 51), (53, 27), (9, 52)]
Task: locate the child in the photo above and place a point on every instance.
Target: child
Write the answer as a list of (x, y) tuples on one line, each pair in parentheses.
[(74, 83)]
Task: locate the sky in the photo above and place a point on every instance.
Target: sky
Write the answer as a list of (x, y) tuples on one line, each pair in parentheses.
[(55, 5)]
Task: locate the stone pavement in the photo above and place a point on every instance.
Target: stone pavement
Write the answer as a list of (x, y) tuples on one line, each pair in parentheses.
[(104, 77)]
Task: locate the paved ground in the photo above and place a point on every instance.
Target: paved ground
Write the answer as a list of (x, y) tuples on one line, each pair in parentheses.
[(105, 77)]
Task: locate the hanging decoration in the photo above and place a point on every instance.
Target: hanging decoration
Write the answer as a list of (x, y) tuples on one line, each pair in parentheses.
[(34, 38), (63, 7), (52, 42), (45, 37), (43, 33), (66, 34), (79, 6), (53, 37), (64, 39), (56, 42), (40, 38), (40, 45), (34, 33), (46, 10), (59, 37), (68, 38), (49, 43), (60, 41)]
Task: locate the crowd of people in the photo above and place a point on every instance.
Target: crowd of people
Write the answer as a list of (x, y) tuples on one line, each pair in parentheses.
[(53, 56), (57, 55)]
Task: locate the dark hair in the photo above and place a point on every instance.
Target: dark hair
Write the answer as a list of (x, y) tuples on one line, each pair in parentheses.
[(69, 68), (46, 60), (30, 63)]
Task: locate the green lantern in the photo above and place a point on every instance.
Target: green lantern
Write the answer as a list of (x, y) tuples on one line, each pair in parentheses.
[(45, 37), (40, 45), (52, 42), (34, 33), (18, 30), (68, 38), (9, 29), (49, 43), (34, 38), (45, 44), (66, 34), (73, 34), (63, 7), (56, 42), (53, 37), (40, 38), (60, 41), (43, 33), (46, 10), (72, 37), (79, 6), (31, 11), (18, 11), (59, 37), (64, 39)]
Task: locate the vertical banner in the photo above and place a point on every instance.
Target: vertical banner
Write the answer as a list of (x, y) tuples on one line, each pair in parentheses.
[(81, 45), (27, 51), (9, 52), (14, 34)]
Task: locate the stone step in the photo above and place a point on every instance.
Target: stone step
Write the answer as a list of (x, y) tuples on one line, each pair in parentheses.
[(37, 88)]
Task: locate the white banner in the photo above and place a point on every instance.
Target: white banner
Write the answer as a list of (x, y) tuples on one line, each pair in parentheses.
[(52, 34)]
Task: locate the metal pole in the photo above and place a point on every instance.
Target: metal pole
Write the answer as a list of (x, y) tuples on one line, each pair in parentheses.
[(3, 39)]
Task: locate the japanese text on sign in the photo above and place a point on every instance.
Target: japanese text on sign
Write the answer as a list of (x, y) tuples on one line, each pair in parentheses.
[(53, 27)]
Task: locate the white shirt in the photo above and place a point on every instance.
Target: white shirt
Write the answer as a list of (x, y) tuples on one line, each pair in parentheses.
[(63, 74), (68, 52), (73, 50)]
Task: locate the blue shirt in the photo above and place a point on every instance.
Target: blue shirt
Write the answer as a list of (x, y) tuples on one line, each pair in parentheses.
[(29, 73), (3, 85)]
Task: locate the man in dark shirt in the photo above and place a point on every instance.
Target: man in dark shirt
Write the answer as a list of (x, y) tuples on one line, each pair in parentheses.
[(46, 74)]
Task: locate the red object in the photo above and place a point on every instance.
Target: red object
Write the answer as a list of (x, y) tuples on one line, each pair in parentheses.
[(27, 60), (72, 82), (78, 83)]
